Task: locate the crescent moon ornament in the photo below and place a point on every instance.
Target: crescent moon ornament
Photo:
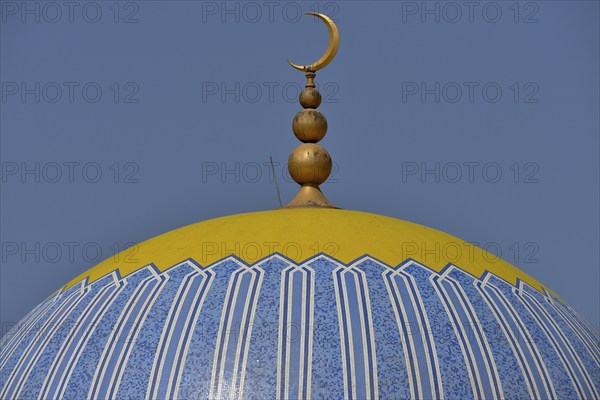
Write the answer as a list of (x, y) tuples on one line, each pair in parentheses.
[(332, 48)]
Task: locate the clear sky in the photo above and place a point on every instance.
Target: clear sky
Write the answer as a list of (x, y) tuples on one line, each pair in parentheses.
[(121, 121)]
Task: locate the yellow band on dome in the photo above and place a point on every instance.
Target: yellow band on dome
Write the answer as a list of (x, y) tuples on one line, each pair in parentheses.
[(302, 233)]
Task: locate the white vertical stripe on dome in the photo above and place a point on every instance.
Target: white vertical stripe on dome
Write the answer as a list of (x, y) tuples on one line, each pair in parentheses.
[(592, 332), (303, 332), (416, 391), (375, 281), (221, 345), (359, 295), (74, 350), (545, 329), (123, 348), (433, 377), (347, 359), (468, 356), (282, 358), (173, 375), (11, 340), (511, 338), (224, 340), (365, 344), (538, 360), (367, 324), (241, 359), (495, 381), (289, 299), (590, 343), (349, 299), (571, 353), (165, 373), (578, 325), (36, 334), (37, 345), (555, 337), (156, 373), (286, 304), (309, 329), (419, 307), (132, 335), (67, 342)]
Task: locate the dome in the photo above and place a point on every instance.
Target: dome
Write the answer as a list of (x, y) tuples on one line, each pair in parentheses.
[(308, 301), (302, 303)]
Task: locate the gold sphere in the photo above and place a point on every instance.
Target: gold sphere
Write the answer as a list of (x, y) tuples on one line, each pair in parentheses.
[(309, 126), (310, 98), (309, 163)]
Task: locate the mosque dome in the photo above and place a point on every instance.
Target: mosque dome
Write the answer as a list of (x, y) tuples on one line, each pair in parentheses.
[(302, 303), (306, 301)]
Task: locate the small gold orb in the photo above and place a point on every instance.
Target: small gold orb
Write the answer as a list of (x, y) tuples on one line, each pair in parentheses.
[(310, 98), (309, 163), (309, 126)]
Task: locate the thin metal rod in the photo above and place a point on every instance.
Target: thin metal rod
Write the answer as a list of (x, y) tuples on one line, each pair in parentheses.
[(275, 179)]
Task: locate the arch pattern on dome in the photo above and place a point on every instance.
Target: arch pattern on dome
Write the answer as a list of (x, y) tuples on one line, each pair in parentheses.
[(279, 329)]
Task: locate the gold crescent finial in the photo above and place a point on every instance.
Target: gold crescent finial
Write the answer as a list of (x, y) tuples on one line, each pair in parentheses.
[(332, 48), (310, 164)]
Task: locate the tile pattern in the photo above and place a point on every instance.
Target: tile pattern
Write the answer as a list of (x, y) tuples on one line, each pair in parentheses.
[(320, 329)]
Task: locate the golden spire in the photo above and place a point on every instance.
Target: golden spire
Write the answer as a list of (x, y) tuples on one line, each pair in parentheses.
[(310, 164)]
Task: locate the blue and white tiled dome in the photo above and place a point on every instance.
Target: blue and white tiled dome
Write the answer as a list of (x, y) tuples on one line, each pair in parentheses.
[(367, 316)]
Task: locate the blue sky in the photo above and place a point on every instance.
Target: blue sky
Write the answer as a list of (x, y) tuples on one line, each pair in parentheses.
[(121, 121)]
